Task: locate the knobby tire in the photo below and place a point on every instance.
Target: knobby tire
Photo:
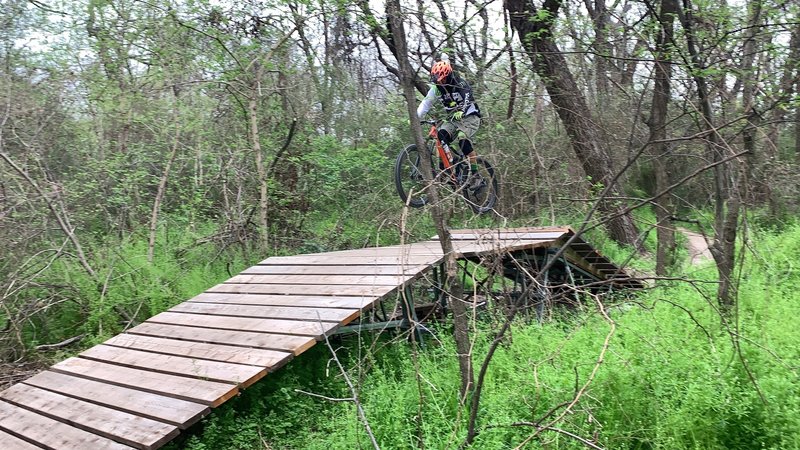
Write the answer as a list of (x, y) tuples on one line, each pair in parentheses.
[(408, 179)]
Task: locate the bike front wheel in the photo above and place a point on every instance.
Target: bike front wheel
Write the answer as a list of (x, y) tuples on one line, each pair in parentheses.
[(408, 177), (482, 197)]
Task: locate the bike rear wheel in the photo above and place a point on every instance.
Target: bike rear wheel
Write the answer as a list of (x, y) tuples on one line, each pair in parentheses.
[(484, 198), (408, 177)]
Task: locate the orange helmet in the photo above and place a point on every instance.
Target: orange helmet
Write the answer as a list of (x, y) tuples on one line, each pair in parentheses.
[(440, 71)]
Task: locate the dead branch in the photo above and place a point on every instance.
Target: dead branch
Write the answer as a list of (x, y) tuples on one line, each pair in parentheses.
[(61, 344), (278, 155), (592, 375), (361, 414), (63, 222), (583, 441)]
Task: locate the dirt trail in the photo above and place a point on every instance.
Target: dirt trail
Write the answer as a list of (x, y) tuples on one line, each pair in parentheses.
[(698, 249)]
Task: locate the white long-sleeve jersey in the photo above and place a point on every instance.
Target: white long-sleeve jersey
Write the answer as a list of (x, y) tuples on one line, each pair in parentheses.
[(454, 97)]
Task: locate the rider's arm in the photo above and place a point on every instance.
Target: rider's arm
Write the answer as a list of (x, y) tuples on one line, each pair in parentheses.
[(427, 102)]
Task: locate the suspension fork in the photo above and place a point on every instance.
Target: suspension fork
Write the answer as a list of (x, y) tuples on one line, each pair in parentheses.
[(442, 153)]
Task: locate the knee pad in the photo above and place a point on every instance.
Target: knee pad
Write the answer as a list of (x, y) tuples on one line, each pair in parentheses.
[(444, 136), (466, 146)]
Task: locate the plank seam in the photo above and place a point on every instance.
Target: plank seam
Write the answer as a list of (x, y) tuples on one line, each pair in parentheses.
[(226, 302), (120, 408), (315, 336), (267, 333), (242, 346), (79, 426), (19, 436), (254, 317), (290, 295), (187, 356), (304, 283), (151, 391)]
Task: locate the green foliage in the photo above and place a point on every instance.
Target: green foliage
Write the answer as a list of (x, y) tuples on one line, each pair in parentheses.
[(127, 289), (344, 183)]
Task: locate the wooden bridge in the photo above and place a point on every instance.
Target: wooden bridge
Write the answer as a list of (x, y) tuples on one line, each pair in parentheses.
[(139, 389)]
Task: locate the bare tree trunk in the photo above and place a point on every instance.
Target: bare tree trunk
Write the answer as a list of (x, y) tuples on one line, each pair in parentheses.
[(726, 197), (388, 38), (534, 30), (512, 96), (658, 136), (162, 187), (460, 320), (261, 169), (797, 128), (789, 79), (539, 109), (602, 50), (748, 78), (626, 78)]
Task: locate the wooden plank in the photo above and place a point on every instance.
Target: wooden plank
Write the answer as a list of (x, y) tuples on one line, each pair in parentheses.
[(277, 326), (492, 245), (312, 260), (421, 251), (429, 245), (473, 248), (434, 248), (288, 300), (177, 365), (307, 290), (270, 359), (11, 442), (269, 312), (191, 389), (506, 236), (293, 289), (527, 229), (49, 433), (364, 280), (284, 342), (596, 257), (181, 413), (581, 263), (518, 230), (334, 270), (129, 429)]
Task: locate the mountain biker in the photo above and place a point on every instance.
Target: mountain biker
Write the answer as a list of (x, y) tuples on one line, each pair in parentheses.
[(457, 99)]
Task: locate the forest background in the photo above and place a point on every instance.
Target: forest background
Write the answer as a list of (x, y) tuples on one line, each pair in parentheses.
[(149, 150)]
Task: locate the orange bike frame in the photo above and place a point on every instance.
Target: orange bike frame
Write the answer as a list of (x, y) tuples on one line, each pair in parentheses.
[(442, 154)]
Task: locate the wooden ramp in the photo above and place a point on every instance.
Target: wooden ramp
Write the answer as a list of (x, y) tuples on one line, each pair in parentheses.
[(140, 388)]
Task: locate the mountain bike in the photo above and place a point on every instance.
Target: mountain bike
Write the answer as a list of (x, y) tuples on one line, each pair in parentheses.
[(452, 170)]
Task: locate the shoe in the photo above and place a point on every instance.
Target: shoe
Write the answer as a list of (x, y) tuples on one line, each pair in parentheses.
[(475, 182)]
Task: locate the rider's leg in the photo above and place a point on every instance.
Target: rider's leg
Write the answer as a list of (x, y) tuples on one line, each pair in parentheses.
[(444, 136), (475, 182), (467, 128), (465, 144)]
